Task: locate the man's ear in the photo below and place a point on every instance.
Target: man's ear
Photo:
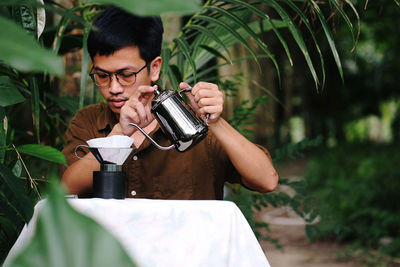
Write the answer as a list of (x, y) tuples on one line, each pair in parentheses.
[(155, 69)]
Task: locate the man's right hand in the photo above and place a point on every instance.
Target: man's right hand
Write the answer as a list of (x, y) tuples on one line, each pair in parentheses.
[(137, 110)]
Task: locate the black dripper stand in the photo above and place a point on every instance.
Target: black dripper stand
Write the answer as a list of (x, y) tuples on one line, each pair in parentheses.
[(109, 182)]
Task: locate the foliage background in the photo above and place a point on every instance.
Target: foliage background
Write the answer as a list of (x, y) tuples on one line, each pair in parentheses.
[(274, 95)]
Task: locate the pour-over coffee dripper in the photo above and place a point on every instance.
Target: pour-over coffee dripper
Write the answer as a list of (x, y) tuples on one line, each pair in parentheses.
[(109, 182)]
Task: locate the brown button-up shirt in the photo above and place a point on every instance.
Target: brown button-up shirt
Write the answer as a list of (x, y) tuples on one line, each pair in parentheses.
[(199, 173)]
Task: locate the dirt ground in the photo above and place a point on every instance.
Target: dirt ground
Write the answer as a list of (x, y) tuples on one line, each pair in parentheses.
[(297, 251), (285, 226)]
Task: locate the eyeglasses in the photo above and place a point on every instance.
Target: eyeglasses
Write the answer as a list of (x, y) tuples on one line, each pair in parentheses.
[(124, 77)]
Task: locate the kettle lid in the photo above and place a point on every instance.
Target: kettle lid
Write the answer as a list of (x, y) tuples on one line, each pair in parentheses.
[(160, 97)]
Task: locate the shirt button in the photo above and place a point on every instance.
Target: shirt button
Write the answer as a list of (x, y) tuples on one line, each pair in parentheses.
[(135, 157), (133, 193)]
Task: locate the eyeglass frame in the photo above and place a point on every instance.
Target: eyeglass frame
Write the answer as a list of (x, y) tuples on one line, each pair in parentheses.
[(111, 74)]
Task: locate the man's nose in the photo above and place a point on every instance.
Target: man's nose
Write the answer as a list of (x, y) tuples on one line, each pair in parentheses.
[(115, 86)]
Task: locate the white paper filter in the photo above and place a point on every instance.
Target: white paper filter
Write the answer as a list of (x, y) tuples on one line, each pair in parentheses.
[(114, 148)]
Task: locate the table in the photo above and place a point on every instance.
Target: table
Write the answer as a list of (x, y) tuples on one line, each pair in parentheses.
[(170, 232)]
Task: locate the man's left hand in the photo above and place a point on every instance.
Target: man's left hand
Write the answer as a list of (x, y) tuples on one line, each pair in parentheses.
[(205, 98)]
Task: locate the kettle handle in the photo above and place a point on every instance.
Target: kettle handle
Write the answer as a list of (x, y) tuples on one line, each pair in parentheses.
[(188, 89), (151, 139), (76, 154)]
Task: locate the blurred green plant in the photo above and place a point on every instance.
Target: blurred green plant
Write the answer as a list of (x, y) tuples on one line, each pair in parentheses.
[(16, 208), (64, 237), (296, 150), (356, 191), (250, 202), (243, 116), (30, 60)]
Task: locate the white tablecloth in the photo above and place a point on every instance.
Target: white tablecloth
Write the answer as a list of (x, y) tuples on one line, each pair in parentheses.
[(171, 232)]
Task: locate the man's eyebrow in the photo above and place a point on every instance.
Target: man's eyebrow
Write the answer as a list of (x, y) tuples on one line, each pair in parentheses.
[(130, 68), (100, 69)]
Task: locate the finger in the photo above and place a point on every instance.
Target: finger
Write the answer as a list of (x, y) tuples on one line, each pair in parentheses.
[(144, 93), (204, 85), (193, 103), (208, 90), (134, 110), (183, 85), (214, 101), (206, 93), (141, 112)]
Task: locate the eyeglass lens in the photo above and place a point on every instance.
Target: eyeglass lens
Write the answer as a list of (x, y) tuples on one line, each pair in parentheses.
[(125, 77)]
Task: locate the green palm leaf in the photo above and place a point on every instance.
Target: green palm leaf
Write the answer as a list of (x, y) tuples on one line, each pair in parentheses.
[(211, 35), (309, 28), (222, 24), (232, 31), (241, 24), (185, 48), (215, 52), (262, 15), (328, 36), (296, 35), (344, 16)]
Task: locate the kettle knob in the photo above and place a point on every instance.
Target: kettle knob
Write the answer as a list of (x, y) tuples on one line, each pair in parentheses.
[(157, 92)]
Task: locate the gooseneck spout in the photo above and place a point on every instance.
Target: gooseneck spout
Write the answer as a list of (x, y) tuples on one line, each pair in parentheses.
[(151, 139)]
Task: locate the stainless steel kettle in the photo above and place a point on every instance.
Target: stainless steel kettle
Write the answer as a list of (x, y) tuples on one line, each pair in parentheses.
[(177, 120)]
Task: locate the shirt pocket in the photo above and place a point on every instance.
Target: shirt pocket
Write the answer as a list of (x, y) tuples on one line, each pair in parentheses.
[(179, 186)]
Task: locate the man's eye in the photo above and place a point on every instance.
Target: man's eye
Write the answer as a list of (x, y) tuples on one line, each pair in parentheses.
[(126, 74), (102, 75)]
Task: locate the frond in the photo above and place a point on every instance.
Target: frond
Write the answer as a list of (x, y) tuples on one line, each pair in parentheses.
[(221, 24)]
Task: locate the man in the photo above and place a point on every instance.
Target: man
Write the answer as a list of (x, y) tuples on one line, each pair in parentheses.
[(125, 51)]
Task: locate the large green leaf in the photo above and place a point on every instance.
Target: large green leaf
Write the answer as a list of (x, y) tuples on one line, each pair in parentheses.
[(23, 52), (64, 238), (8, 234), (13, 195), (154, 7), (44, 152), (9, 94)]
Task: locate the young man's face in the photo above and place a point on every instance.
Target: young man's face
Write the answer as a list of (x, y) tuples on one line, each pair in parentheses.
[(125, 61)]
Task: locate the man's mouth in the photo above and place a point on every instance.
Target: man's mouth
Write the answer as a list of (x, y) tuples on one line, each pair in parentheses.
[(117, 103)]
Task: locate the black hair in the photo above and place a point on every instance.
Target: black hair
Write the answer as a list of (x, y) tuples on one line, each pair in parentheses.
[(115, 28)]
